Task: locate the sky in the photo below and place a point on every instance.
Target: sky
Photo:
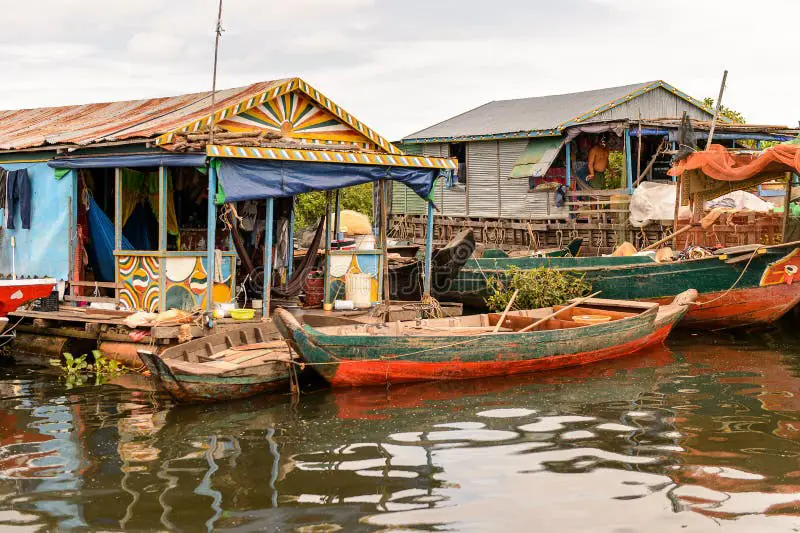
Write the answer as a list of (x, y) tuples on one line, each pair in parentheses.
[(400, 66)]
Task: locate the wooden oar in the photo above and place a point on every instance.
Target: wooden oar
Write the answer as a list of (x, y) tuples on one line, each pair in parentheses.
[(505, 312), (556, 313)]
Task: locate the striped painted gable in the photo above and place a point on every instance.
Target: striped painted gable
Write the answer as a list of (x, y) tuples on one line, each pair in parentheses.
[(296, 110)]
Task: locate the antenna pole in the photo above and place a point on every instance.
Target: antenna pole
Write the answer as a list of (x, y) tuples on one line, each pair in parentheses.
[(218, 32), (716, 110)]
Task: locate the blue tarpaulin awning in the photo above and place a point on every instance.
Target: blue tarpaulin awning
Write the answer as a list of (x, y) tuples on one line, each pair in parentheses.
[(250, 179), (131, 161)]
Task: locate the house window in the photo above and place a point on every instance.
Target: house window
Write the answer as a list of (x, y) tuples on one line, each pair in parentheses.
[(459, 151)]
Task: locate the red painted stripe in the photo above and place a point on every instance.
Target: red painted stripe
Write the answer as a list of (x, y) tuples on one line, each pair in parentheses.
[(741, 307), (12, 296), (397, 371)]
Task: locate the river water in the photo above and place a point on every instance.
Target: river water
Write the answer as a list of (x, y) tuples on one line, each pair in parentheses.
[(701, 435)]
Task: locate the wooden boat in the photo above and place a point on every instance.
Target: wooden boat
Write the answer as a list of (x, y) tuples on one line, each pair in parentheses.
[(15, 292), (573, 249), (467, 347), (224, 366), (741, 286), (405, 277)]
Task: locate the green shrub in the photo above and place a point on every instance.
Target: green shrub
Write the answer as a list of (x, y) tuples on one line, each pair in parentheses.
[(539, 287)]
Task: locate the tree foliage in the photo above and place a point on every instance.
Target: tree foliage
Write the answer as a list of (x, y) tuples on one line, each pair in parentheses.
[(725, 111), (311, 206)]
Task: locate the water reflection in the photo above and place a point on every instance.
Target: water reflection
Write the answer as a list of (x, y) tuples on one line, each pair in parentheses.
[(701, 435)]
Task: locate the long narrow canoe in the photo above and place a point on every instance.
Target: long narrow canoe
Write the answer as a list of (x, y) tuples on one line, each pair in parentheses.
[(467, 347), (740, 287), (225, 366)]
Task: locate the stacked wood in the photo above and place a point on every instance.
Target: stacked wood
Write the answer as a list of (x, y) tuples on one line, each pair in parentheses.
[(197, 142)]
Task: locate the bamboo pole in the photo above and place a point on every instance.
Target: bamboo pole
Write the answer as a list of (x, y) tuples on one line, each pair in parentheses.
[(658, 243), (505, 312), (556, 313)]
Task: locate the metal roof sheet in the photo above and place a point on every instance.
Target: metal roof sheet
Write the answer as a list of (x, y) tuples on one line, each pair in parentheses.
[(541, 113), (114, 121)]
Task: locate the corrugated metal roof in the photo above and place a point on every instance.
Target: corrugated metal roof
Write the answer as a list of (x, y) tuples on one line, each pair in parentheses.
[(114, 121), (541, 114)]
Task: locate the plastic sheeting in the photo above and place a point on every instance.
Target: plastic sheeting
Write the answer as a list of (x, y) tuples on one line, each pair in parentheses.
[(101, 240), (42, 250), (718, 163), (248, 179), (132, 161), (656, 201), (652, 201)]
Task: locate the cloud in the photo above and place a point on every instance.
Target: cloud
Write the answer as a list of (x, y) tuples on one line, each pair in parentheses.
[(400, 66)]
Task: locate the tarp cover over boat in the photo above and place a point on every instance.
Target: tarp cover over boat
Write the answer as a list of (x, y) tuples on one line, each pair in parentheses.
[(247, 179), (718, 163)]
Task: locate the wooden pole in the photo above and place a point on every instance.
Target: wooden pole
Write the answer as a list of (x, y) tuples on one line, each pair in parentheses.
[(428, 250), (658, 243), (556, 313), (639, 152), (218, 34), (384, 239), (505, 312), (716, 109), (786, 203), (211, 235), (328, 229), (678, 185), (267, 291)]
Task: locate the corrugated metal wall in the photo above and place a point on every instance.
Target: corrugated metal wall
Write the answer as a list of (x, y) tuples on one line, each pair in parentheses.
[(404, 200), (482, 183), (658, 103), (513, 193)]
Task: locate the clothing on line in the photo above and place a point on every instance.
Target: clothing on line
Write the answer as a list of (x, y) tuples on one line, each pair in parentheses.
[(18, 194)]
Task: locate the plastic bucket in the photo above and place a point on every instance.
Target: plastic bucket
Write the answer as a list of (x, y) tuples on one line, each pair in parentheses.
[(358, 288)]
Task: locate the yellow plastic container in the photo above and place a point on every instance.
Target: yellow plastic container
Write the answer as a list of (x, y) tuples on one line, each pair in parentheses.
[(590, 320), (242, 314)]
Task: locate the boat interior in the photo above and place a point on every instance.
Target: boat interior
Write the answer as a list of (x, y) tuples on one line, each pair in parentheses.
[(591, 312), (224, 352)]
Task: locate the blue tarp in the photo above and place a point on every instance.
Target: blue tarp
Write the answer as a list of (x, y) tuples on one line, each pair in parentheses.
[(101, 240), (42, 250), (132, 161), (250, 179)]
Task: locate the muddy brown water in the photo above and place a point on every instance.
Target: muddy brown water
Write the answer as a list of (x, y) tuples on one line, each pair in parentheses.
[(702, 435)]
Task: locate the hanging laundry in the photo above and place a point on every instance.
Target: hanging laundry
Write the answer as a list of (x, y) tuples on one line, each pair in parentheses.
[(249, 215), (18, 194), (3, 178)]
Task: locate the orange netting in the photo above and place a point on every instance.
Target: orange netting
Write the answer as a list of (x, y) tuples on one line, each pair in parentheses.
[(718, 163)]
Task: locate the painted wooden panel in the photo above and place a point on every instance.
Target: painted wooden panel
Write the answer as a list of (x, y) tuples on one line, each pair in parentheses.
[(340, 265), (139, 276), (187, 279)]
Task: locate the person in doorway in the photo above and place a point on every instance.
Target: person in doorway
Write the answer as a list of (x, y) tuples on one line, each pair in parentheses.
[(598, 159)]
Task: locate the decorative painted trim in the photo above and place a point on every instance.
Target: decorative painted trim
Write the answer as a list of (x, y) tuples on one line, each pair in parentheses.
[(487, 137), (274, 92), (332, 156)]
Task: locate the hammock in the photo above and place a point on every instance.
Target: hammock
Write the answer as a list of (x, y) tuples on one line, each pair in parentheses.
[(101, 238), (298, 279)]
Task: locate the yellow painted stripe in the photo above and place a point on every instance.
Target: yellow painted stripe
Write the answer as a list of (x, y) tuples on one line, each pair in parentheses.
[(331, 156)]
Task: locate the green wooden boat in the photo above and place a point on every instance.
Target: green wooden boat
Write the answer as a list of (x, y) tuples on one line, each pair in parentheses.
[(471, 347), (224, 366), (741, 286)]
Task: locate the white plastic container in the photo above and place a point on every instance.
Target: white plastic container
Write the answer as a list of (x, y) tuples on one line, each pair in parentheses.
[(343, 305), (358, 288)]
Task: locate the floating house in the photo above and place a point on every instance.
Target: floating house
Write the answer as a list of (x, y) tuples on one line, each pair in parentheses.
[(513, 155), (129, 204)]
